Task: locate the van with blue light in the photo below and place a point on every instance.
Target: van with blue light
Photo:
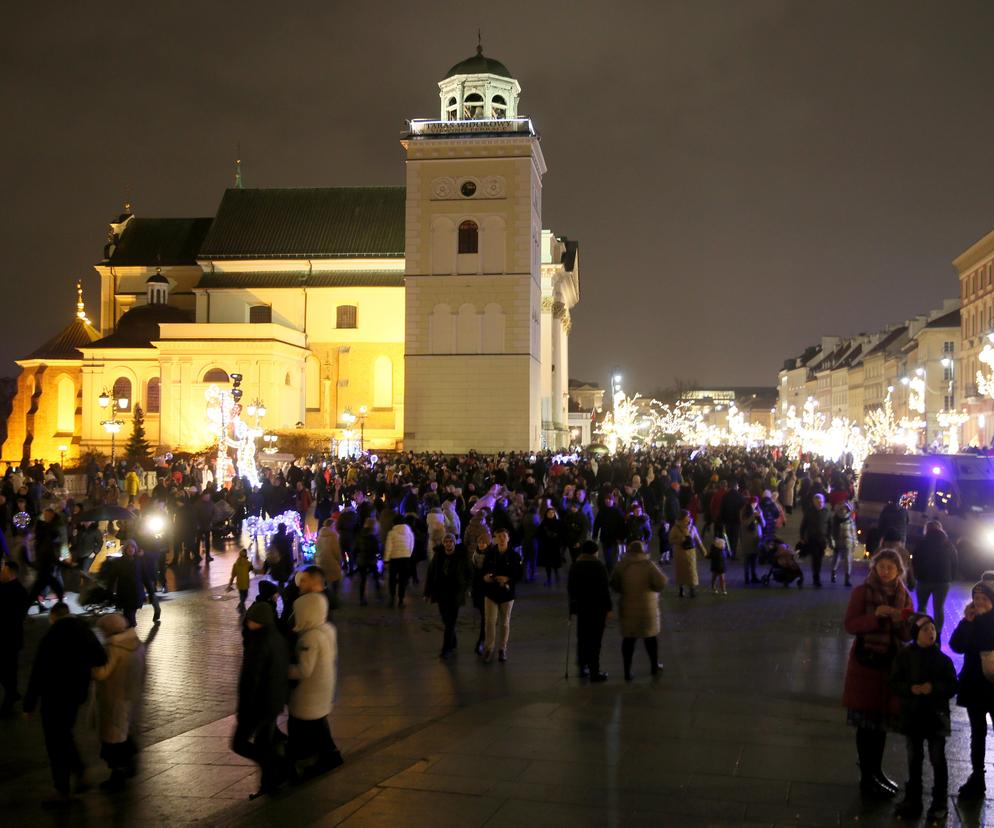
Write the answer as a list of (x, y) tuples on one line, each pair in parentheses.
[(955, 489)]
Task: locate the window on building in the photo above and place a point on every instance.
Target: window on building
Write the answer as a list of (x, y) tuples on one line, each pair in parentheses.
[(452, 110), (948, 346), (383, 382), (469, 237), (949, 402), (152, 396), (260, 314), (498, 106), (216, 375), (122, 390), (472, 107), (345, 316), (947, 373), (988, 274), (65, 421)]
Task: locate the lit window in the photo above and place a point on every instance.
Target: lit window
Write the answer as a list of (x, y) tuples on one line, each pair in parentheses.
[(122, 390), (469, 237), (345, 316), (152, 396), (216, 375)]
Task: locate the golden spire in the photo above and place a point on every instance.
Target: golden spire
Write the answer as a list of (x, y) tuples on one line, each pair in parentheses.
[(80, 308)]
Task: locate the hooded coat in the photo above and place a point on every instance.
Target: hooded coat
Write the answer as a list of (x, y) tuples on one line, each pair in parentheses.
[(971, 638), (328, 554), (316, 659), (119, 686), (638, 581), (262, 682)]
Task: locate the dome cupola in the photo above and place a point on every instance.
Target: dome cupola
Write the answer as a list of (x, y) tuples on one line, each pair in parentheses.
[(479, 89)]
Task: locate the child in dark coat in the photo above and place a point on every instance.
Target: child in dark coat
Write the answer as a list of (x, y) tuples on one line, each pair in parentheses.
[(924, 679)]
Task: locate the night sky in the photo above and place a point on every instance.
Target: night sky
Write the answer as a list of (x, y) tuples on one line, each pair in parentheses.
[(743, 176)]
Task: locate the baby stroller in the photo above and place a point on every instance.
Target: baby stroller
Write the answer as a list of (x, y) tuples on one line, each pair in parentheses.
[(95, 593), (784, 567)]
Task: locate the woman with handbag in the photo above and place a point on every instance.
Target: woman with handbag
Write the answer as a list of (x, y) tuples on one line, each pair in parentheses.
[(974, 638), (686, 544), (877, 616)]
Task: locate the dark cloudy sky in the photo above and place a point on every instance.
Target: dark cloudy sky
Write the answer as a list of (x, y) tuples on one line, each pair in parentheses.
[(743, 175)]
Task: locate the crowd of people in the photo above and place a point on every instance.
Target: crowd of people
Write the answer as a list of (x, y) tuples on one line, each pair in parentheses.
[(466, 529)]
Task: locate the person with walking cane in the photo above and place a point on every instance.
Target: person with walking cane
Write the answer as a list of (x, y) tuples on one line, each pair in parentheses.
[(590, 602)]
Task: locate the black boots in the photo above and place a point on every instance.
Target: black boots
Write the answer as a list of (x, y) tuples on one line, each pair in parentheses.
[(974, 787), (873, 783)]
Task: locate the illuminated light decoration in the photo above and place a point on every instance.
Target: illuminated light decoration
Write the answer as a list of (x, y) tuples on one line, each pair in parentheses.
[(916, 392), (950, 422), (231, 431), (22, 520), (907, 500), (264, 528)]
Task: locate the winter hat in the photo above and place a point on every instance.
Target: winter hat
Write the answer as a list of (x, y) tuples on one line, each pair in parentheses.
[(893, 557), (919, 619), (267, 591), (589, 548), (112, 624), (719, 543), (262, 613), (985, 585)]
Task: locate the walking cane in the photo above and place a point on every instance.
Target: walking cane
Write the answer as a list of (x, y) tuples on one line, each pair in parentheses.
[(569, 635)]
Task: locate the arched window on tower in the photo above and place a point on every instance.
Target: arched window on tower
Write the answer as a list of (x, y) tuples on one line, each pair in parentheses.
[(65, 420), (152, 396), (469, 237), (472, 107), (498, 106), (452, 110)]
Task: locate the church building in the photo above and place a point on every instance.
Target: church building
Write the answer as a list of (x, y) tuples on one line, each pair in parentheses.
[(434, 316)]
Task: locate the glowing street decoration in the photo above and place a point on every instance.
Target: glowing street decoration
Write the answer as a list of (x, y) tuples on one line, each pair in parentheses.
[(231, 431), (950, 422)]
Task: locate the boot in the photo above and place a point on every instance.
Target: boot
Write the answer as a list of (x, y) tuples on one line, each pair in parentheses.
[(937, 811), (974, 787), (910, 807)]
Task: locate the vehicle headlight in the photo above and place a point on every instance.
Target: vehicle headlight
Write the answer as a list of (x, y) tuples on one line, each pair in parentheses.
[(156, 524)]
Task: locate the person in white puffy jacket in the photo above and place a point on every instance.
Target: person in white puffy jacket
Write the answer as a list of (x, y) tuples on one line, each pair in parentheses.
[(397, 556), (312, 750), (436, 529)]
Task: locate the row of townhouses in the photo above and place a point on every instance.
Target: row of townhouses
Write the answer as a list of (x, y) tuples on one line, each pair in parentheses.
[(935, 355)]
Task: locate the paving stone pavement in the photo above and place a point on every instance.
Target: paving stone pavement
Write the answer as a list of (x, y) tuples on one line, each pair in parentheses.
[(744, 727)]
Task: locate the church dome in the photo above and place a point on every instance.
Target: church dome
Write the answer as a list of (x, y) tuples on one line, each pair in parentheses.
[(140, 326), (479, 64)]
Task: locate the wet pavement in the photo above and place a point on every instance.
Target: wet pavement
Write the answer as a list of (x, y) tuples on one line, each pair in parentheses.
[(743, 727)]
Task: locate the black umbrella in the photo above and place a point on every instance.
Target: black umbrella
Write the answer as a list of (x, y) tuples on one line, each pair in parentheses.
[(107, 513)]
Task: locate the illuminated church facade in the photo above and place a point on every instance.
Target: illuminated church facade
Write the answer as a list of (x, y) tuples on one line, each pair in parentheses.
[(437, 314)]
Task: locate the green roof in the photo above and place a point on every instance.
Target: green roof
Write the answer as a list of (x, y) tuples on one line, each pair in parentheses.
[(479, 64), (65, 343), (282, 279), (166, 241), (339, 222)]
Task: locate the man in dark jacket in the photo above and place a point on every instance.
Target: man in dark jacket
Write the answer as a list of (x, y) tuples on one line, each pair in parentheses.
[(262, 692), (14, 605), (128, 583), (816, 531), (731, 516), (934, 563), (894, 516), (590, 602), (60, 680), (449, 575), (575, 529), (609, 528), (46, 561)]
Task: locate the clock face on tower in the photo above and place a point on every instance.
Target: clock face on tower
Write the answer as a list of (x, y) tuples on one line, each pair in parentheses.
[(468, 188)]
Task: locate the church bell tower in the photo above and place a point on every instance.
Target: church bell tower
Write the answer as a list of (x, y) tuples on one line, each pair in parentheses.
[(473, 268)]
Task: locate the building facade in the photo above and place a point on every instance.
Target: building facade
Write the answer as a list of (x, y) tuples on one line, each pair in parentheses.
[(436, 315)]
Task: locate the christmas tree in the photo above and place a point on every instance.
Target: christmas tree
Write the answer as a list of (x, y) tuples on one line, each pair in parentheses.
[(138, 449)]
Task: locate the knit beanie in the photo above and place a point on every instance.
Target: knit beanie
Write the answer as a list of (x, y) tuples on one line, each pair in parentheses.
[(985, 585), (267, 590)]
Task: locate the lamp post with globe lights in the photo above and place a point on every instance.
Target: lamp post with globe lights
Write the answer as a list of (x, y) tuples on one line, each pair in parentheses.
[(112, 425)]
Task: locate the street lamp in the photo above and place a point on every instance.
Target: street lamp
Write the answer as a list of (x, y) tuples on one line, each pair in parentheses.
[(62, 455), (362, 428), (113, 425)]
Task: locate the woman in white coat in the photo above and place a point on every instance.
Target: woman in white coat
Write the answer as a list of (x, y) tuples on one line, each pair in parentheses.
[(119, 688), (311, 747)]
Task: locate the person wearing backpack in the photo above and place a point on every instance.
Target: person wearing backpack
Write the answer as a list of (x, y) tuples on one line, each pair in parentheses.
[(924, 679), (973, 637)]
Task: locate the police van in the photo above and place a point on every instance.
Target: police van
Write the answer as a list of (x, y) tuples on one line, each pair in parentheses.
[(955, 489)]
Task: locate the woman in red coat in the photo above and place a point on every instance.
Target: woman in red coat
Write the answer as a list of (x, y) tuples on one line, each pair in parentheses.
[(878, 616)]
